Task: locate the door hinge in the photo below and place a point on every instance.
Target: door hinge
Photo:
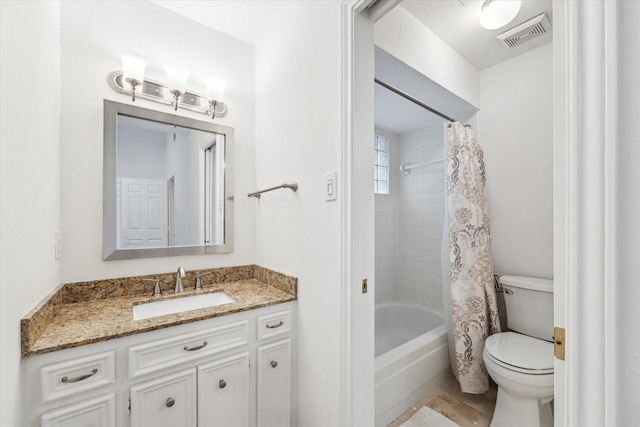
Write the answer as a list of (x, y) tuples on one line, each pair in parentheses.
[(129, 406), (558, 343)]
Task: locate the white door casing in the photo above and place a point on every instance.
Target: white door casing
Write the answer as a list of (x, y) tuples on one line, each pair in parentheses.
[(585, 166)]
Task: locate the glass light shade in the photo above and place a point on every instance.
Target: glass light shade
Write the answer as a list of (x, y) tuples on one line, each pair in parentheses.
[(133, 66), (215, 88), (176, 77), (498, 13)]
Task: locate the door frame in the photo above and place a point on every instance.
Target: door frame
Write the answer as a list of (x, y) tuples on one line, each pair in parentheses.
[(585, 96), (585, 140)]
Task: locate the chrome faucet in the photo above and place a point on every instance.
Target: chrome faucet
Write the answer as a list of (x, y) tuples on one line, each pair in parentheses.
[(198, 281), (180, 275), (156, 290)]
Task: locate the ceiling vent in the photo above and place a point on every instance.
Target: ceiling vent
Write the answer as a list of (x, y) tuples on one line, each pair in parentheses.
[(529, 30)]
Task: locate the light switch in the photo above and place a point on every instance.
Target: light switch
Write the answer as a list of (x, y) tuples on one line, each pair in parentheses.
[(331, 186)]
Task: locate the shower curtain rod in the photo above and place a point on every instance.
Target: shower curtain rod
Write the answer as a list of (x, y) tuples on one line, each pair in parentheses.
[(412, 99)]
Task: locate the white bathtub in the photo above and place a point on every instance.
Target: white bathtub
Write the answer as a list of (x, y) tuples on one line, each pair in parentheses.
[(412, 358)]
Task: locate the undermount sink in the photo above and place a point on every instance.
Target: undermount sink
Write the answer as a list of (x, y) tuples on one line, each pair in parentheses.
[(178, 305)]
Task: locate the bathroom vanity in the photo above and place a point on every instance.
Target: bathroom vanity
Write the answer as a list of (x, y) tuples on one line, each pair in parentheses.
[(88, 362)]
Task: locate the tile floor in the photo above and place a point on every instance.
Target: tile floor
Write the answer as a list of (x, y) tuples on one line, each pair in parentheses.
[(467, 410)]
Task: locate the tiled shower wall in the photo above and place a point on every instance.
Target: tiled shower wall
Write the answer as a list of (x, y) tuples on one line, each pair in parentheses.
[(409, 222), (387, 228)]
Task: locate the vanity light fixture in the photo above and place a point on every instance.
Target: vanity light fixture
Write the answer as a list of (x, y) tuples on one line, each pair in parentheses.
[(131, 82), (177, 77), (215, 90), (498, 13), (133, 66)]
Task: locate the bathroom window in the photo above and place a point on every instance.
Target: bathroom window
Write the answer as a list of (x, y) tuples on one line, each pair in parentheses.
[(381, 165)]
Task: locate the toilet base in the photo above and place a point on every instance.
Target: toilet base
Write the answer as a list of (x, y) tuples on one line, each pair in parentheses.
[(522, 412)]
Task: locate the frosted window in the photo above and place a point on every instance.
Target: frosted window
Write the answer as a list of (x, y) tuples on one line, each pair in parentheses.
[(381, 165)]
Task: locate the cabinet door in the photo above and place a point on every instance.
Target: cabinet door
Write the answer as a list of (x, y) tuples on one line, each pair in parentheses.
[(169, 401), (223, 392), (274, 384), (97, 412)]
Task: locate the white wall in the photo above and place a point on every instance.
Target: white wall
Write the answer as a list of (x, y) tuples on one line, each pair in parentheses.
[(298, 126), (629, 212), (141, 153), (515, 130), (405, 37), (29, 177), (93, 35)]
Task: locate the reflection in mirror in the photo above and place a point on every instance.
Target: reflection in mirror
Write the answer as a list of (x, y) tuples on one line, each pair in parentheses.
[(167, 184)]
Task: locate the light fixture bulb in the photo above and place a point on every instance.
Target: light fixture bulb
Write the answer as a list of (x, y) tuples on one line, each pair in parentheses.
[(177, 76), (498, 13), (133, 66), (215, 87)]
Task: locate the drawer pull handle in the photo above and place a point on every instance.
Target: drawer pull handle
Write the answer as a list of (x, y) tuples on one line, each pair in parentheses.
[(277, 325), (204, 344), (67, 380), (170, 402), (222, 384), (274, 363)]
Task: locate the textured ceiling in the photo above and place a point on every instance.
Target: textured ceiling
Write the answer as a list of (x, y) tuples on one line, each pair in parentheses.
[(456, 23)]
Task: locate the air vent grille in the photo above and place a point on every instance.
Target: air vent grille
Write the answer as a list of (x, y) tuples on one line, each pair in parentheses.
[(526, 31)]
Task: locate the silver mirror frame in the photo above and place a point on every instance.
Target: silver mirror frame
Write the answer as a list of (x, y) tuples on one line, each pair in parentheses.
[(110, 250)]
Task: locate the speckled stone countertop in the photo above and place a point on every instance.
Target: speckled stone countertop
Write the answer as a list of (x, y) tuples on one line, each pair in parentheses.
[(76, 314)]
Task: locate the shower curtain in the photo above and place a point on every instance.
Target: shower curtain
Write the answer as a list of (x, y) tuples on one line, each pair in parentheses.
[(467, 260)]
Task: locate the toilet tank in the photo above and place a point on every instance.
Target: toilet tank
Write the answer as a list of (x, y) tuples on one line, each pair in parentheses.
[(529, 305)]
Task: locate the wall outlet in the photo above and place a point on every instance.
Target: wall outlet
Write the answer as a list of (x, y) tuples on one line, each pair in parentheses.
[(364, 286)]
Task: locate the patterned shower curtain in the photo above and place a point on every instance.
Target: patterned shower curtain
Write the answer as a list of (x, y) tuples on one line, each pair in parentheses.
[(473, 299)]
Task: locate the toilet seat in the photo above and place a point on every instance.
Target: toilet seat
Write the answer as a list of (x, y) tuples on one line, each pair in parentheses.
[(520, 353)]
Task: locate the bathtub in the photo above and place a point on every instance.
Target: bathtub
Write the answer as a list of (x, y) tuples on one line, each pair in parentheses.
[(411, 360)]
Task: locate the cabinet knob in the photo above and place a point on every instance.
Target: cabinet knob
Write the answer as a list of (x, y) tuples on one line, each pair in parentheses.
[(222, 384), (170, 402), (274, 363)]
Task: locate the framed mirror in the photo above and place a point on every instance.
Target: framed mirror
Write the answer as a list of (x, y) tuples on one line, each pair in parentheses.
[(167, 184)]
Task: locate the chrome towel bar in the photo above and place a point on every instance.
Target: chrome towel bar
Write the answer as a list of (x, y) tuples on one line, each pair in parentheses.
[(293, 187)]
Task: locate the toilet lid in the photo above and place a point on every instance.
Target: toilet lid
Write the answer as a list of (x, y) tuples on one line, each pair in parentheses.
[(521, 353)]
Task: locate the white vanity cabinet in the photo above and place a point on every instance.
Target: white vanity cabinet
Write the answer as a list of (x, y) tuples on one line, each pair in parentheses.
[(212, 394), (169, 400), (274, 384), (224, 392), (233, 370), (96, 412)]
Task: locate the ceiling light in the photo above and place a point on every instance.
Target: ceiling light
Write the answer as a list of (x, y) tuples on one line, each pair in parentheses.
[(498, 13)]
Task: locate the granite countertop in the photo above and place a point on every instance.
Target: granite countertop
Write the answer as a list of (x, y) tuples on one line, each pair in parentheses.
[(83, 313)]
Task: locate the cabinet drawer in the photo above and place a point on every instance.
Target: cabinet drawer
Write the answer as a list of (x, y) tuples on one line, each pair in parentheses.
[(77, 375), (157, 355), (97, 412), (273, 325)]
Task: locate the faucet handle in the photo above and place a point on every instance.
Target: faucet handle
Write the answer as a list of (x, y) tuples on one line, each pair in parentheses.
[(198, 281), (156, 290)]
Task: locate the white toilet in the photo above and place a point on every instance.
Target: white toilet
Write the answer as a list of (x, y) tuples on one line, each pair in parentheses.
[(521, 361)]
